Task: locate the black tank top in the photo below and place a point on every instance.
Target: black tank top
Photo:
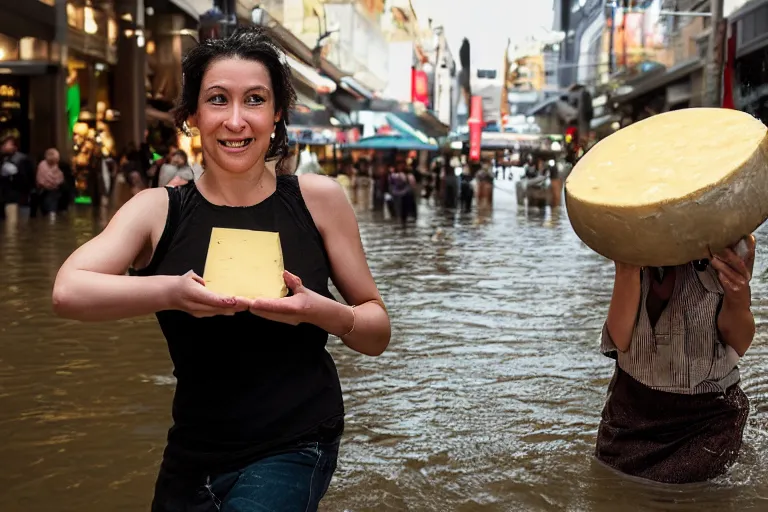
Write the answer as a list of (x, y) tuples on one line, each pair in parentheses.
[(246, 387)]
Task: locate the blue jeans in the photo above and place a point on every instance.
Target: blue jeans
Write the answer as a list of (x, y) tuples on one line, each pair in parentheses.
[(288, 482)]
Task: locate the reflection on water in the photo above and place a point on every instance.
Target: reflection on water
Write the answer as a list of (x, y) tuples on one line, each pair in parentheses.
[(487, 399)]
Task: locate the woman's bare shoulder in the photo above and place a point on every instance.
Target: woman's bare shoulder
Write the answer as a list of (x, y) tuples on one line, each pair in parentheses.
[(147, 210), (325, 199), (317, 184)]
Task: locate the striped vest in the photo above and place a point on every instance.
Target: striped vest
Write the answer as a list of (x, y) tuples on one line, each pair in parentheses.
[(682, 353)]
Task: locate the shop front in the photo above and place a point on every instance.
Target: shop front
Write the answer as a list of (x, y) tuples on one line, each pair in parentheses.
[(315, 137), (89, 88), (746, 61), (14, 109), (30, 76), (659, 90), (751, 90)]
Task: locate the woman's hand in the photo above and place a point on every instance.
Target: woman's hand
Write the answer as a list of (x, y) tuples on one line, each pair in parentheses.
[(734, 274), (189, 294), (291, 310), (735, 322)]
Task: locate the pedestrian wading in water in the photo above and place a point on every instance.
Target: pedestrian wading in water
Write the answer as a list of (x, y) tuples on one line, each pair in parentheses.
[(675, 412), (258, 412)]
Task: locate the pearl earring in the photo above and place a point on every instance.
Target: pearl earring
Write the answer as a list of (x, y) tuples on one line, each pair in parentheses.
[(272, 136)]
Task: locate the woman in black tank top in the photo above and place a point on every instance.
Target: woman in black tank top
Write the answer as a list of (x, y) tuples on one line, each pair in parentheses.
[(258, 409)]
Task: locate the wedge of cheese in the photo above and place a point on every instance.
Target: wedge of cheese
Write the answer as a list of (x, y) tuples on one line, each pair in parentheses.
[(245, 263), (666, 190)]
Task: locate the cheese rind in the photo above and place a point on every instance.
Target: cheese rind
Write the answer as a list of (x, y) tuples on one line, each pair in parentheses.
[(668, 189), (245, 263)]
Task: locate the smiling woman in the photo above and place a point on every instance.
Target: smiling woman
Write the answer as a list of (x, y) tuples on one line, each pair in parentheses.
[(258, 410)]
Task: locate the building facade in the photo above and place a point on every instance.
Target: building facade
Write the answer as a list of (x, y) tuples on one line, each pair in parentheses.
[(583, 24), (748, 54), (32, 74)]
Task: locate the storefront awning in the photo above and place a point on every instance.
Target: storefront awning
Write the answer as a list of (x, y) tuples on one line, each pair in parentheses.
[(305, 103), (407, 129), (391, 141), (562, 110), (27, 68), (354, 87), (382, 105), (193, 7), (659, 80), (346, 101), (318, 82), (419, 125)]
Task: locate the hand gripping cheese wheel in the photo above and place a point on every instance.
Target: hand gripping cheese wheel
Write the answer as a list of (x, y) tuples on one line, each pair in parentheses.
[(666, 190)]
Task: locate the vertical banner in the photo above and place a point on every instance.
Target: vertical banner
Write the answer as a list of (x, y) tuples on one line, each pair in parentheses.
[(729, 65), (419, 87), (475, 127)]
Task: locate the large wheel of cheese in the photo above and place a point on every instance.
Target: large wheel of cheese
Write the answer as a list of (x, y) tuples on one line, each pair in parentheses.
[(666, 190)]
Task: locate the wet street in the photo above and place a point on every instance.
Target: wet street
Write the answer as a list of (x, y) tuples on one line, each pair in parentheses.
[(487, 399)]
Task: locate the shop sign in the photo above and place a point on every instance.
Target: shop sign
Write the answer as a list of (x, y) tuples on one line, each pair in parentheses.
[(419, 87), (13, 118), (8, 91), (350, 136), (10, 97)]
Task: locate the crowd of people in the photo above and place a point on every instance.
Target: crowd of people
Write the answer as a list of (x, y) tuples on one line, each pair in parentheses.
[(47, 186), (44, 187), (398, 186), (393, 184)]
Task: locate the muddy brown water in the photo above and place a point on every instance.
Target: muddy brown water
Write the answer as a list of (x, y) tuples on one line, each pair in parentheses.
[(487, 399)]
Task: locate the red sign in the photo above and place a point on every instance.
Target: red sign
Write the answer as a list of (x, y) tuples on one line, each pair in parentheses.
[(728, 68), (349, 136), (419, 87), (475, 127)]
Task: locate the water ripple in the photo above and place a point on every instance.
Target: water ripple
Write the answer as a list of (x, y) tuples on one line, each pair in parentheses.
[(488, 398)]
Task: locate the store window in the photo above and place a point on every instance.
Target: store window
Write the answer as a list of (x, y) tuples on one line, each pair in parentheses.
[(82, 16), (9, 48), (27, 48), (74, 16), (34, 49), (751, 84)]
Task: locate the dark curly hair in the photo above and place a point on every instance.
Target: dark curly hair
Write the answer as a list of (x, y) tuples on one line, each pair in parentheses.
[(247, 43)]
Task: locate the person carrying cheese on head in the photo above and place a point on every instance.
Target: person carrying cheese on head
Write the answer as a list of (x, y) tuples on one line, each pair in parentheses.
[(658, 197), (675, 412), (258, 411)]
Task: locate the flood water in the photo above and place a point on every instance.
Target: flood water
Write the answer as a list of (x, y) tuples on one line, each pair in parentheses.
[(487, 399)]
